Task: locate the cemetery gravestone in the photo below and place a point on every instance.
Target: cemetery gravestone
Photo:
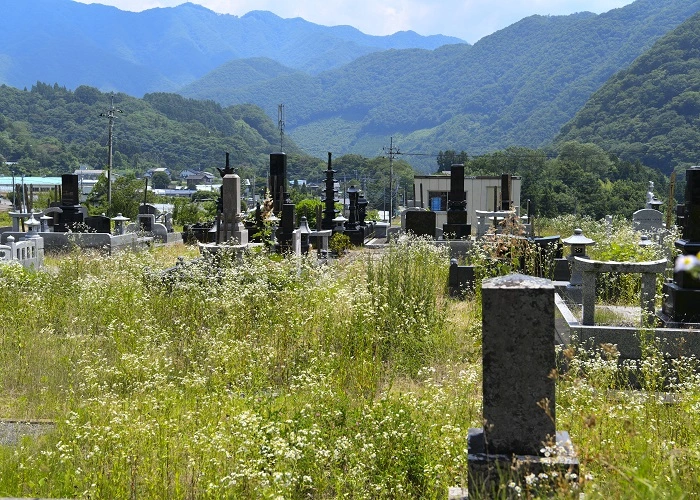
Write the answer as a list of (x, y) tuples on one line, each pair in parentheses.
[(460, 280), (99, 224), (457, 226), (278, 181), (71, 213), (506, 189), (330, 199), (682, 296), (285, 232), (421, 222), (518, 389), (648, 220)]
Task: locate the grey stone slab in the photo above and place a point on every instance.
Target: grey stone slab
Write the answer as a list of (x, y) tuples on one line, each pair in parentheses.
[(13, 431), (648, 220), (518, 358)]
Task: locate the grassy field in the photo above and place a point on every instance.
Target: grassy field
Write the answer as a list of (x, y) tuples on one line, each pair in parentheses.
[(275, 378)]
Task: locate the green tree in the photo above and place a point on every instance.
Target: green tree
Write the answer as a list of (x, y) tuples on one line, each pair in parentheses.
[(307, 208), (450, 157), (127, 195), (187, 212), (160, 180)]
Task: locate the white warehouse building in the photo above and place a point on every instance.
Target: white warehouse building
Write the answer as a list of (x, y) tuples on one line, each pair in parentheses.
[(483, 193)]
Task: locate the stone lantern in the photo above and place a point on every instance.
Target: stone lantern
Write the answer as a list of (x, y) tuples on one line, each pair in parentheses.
[(45, 228), (578, 243), (32, 227), (339, 224), (119, 221)]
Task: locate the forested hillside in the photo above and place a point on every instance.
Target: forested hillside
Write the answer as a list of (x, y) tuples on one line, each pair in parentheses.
[(575, 178), (162, 49), (516, 87), (51, 130), (650, 112)]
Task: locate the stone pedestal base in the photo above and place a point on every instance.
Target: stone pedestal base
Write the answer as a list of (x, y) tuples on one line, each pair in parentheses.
[(357, 236), (237, 233), (562, 272), (456, 231), (489, 474), (461, 280), (681, 304)]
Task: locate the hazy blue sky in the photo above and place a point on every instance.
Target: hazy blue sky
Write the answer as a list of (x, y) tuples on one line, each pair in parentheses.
[(465, 19)]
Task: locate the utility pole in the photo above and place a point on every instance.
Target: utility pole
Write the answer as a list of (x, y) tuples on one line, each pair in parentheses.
[(111, 115), (671, 200), (392, 153), (280, 124)]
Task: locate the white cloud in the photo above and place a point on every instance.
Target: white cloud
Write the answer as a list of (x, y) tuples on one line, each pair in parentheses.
[(466, 19)]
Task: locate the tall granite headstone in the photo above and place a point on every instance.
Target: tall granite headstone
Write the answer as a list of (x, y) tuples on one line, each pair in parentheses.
[(506, 192), (278, 181), (71, 211), (518, 388), (457, 226), (352, 229), (681, 303), (285, 233)]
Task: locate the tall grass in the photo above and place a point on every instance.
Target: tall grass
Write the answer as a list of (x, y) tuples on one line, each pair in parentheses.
[(266, 377), (277, 378)]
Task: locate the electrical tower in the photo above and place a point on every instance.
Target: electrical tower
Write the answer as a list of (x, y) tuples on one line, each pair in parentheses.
[(280, 124), (111, 115), (393, 152)]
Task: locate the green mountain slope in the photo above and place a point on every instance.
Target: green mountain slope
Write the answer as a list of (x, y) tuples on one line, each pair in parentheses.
[(649, 112), (51, 130), (515, 87)]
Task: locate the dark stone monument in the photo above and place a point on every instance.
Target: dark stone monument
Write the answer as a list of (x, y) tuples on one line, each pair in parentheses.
[(506, 191), (518, 389), (99, 224), (147, 216), (460, 280), (70, 191), (457, 227), (361, 209), (421, 222), (331, 198), (681, 303), (71, 211), (548, 249), (352, 229), (148, 209), (278, 181), (286, 229)]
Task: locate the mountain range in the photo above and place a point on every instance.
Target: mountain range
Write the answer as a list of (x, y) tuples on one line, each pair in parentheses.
[(162, 49), (516, 87)]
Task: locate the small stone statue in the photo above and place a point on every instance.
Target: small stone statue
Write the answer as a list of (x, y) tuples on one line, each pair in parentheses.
[(650, 193)]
